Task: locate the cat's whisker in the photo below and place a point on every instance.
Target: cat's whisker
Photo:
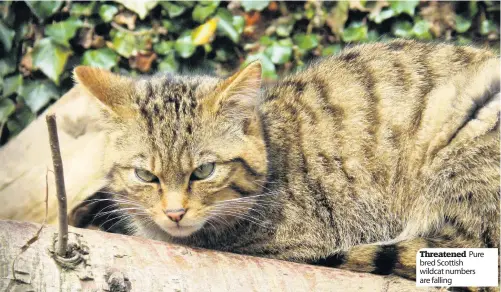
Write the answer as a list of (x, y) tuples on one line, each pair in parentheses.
[(242, 216)]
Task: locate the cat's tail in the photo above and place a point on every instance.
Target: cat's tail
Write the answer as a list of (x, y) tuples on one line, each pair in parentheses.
[(399, 258)]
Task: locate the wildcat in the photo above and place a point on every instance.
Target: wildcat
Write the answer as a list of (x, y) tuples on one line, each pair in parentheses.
[(356, 162)]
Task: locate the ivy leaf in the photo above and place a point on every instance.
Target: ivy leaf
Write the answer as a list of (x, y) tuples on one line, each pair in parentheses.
[(101, 58), (61, 32), (331, 50), (238, 23), (173, 9), (140, 7), (107, 12), (12, 84), (82, 9), (184, 45), (407, 6), (50, 58), (37, 94), (356, 31), (204, 33), (279, 53), (421, 30), (19, 120), (487, 26), (7, 66), (284, 30), (462, 24), (402, 29), (225, 25), (163, 47), (169, 64), (258, 5), (382, 16), (305, 41), (124, 43), (6, 36), (201, 12), (7, 107), (44, 9), (268, 67)]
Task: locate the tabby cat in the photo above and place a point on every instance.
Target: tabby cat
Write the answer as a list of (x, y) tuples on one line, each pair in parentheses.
[(356, 162)]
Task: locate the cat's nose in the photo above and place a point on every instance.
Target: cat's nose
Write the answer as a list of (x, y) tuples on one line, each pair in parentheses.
[(175, 214)]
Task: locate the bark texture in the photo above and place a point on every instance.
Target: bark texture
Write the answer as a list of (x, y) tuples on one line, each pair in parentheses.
[(111, 262)]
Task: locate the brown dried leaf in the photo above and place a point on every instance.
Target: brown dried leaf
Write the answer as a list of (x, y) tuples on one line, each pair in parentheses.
[(85, 37), (142, 61), (126, 18), (440, 15), (26, 64)]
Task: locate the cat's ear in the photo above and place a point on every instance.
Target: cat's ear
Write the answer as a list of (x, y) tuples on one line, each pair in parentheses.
[(239, 94), (114, 91)]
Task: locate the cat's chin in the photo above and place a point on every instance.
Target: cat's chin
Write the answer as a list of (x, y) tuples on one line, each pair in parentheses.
[(181, 231)]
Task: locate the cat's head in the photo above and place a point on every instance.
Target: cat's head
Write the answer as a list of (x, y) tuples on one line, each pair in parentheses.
[(186, 151)]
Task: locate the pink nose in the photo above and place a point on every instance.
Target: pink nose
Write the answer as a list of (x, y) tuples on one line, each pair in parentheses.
[(175, 214)]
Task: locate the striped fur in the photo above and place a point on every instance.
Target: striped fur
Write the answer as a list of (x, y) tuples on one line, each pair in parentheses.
[(356, 162)]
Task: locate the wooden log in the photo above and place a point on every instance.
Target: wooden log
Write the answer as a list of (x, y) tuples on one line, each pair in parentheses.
[(26, 158), (112, 262)]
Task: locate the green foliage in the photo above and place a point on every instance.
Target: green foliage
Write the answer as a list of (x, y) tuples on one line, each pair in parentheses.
[(42, 41)]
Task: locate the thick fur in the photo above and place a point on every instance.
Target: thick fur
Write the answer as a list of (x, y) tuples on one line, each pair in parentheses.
[(357, 162)]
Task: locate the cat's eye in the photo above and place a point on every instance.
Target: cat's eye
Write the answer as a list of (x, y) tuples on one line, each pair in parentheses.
[(145, 176), (203, 171)]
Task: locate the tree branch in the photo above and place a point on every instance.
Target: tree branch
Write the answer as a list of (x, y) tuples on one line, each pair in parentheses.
[(60, 189)]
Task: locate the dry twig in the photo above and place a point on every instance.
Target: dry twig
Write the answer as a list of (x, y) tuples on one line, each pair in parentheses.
[(60, 189)]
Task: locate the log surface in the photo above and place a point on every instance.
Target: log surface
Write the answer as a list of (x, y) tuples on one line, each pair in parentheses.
[(125, 263)]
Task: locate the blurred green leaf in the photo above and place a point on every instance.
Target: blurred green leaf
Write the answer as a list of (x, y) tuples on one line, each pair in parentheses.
[(6, 36), (82, 8), (37, 94), (356, 31), (50, 58), (225, 25), (140, 7), (44, 9), (124, 43), (306, 41), (61, 32), (279, 53), (331, 50), (7, 65), (202, 11), (284, 30), (421, 30), (7, 107), (382, 16), (203, 34), (473, 8), (163, 47), (107, 12), (266, 40), (269, 71), (238, 23), (462, 40), (12, 84), (184, 45), (102, 58), (19, 120), (407, 6), (462, 24), (173, 9), (487, 26), (169, 63), (258, 5), (402, 29)]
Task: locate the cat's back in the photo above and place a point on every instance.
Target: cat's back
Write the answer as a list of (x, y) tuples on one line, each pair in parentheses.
[(355, 116)]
